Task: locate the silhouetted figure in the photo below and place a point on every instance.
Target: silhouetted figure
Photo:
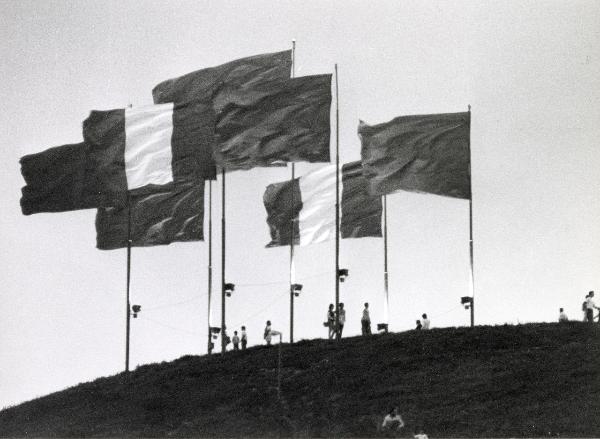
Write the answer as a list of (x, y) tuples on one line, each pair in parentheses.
[(419, 326), (426, 322), (342, 319), (589, 307), (268, 333), (236, 341), (331, 321), (365, 321), (244, 338), (562, 317)]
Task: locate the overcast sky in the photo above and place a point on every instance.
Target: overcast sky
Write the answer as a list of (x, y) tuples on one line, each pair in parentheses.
[(530, 70)]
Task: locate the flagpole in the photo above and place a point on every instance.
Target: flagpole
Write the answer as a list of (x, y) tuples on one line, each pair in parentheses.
[(128, 307), (471, 229), (209, 262), (385, 263), (292, 225), (337, 207), (223, 344)]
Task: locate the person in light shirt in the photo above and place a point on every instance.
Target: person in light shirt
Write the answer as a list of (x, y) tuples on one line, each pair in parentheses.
[(426, 323), (393, 420), (590, 305), (562, 317)]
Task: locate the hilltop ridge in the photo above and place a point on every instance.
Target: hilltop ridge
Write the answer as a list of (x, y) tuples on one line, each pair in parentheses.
[(501, 381)]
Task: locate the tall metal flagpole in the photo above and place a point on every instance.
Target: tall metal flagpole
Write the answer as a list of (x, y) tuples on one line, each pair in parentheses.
[(471, 229), (128, 313), (223, 344), (128, 306), (337, 207), (209, 263), (385, 264), (292, 268)]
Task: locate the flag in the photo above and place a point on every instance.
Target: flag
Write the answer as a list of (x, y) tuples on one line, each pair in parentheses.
[(310, 202), (147, 153), (143, 146), (204, 85), (174, 212), (63, 178), (361, 212), (428, 153), (275, 121)]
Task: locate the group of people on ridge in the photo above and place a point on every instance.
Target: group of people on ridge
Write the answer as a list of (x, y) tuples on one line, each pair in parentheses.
[(336, 330), (365, 321), (587, 307)]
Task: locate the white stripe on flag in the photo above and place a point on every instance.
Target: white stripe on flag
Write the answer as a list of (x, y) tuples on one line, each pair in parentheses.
[(148, 154), (317, 216)]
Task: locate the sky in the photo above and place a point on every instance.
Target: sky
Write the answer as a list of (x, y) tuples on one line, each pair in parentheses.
[(529, 69)]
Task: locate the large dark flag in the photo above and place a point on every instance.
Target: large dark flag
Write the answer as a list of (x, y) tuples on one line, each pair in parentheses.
[(123, 150), (310, 202), (172, 213), (64, 178), (151, 155), (203, 86), (146, 145), (427, 153), (270, 122)]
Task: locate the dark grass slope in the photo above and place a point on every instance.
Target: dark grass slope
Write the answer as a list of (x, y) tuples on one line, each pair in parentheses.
[(501, 381)]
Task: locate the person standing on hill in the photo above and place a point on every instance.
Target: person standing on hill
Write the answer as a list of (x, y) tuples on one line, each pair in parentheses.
[(269, 333), (331, 321), (342, 319), (426, 322), (365, 321), (584, 307), (244, 338), (589, 307), (236, 341), (419, 326), (562, 316)]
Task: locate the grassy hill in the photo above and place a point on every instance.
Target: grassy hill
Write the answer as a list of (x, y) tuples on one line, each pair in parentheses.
[(500, 381)]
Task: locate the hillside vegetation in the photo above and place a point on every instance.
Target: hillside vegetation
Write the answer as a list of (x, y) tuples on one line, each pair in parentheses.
[(492, 381)]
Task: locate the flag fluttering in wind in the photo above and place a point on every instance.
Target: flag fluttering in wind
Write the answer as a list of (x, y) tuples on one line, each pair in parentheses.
[(425, 153), (272, 122), (360, 211), (310, 201), (64, 178), (204, 86), (123, 150), (141, 146), (153, 156), (167, 214)]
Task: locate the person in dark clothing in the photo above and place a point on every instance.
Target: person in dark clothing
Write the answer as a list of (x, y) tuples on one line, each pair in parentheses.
[(365, 321), (244, 338)]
